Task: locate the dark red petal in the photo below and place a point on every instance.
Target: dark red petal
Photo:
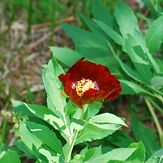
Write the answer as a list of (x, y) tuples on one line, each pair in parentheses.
[(78, 103), (62, 78), (89, 96), (114, 94), (100, 95), (77, 65)]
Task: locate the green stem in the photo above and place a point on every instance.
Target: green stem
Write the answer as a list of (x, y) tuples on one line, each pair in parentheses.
[(71, 146), (4, 130), (158, 126), (155, 105), (73, 140)]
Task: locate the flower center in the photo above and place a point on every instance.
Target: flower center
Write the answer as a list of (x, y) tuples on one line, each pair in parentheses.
[(84, 85)]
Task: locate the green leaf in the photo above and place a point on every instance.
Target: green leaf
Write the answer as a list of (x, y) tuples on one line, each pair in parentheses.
[(111, 33), (20, 108), (70, 108), (21, 146), (120, 138), (154, 35), (107, 118), (130, 72), (92, 110), (65, 55), (57, 121), (118, 154), (50, 155), (139, 60), (129, 87), (3, 148), (157, 82), (155, 159), (158, 153), (99, 127), (139, 154), (151, 6), (77, 124), (84, 38), (53, 85), (92, 154), (46, 136), (103, 15), (126, 19), (91, 132), (93, 27), (28, 138), (10, 156), (147, 136)]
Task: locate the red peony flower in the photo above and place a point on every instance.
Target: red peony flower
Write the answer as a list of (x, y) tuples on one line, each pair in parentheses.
[(87, 82)]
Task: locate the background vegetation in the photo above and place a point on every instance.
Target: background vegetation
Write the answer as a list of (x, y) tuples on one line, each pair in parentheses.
[(28, 28)]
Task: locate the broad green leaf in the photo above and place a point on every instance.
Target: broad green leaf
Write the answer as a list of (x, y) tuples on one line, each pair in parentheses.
[(84, 38), (67, 56), (146, 55), (118, 154), (157, 82), (93, 27), (139, 154), (79, 157), (120, 138), (92, 110), (107, 118), (147, 136), (158, 153), (129, 87), (70, 108), (3, 147), (20, 108), (159, 64), (141, 16), (151, 6), (57, 121), (51, 156), (126, 19), (77, 124), (111, 33), (139, 60), (103, 15), (133, 74), (91, 132), (28, 138), (92, 154), (99, 127), (10, 156), (53, 85), (156, 159), (21, 146), (46, 136), (154, 35)]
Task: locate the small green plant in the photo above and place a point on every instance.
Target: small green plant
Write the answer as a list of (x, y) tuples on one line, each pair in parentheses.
[(73, 129)]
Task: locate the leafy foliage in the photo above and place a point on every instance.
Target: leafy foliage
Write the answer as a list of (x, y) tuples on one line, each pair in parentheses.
[(50, 133)]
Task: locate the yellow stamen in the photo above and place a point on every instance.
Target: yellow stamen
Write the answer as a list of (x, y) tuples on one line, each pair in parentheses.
[(84, 85)]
